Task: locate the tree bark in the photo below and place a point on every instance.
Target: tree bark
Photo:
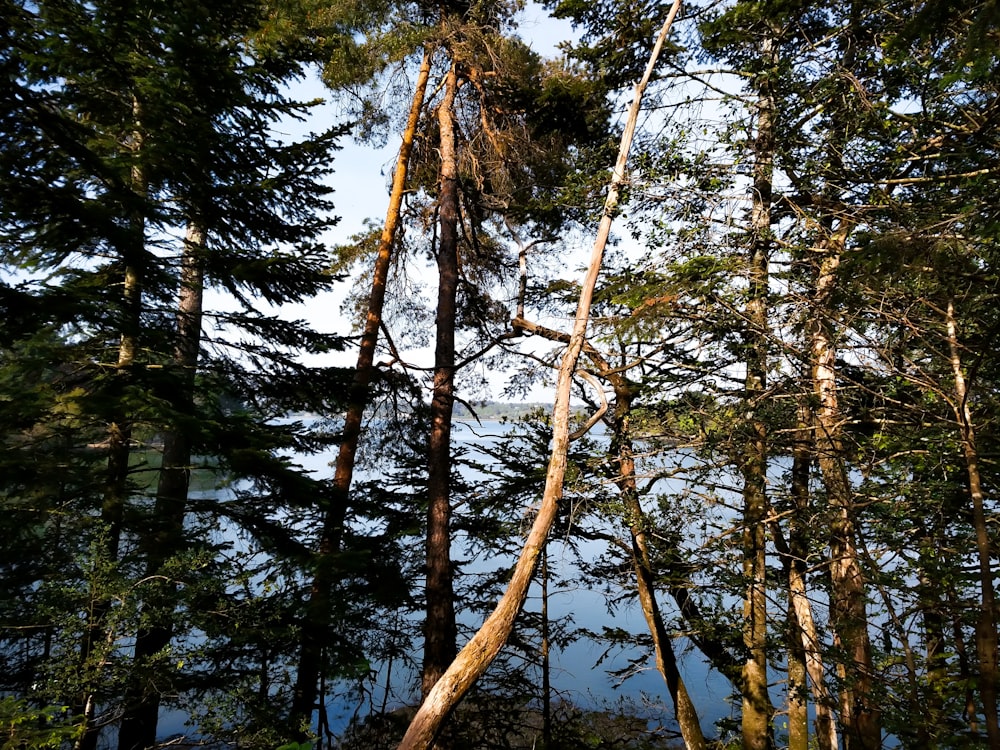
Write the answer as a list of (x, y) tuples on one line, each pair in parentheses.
[(986, 625), (666, 660), (757, 711), (480, 651), (622, 454), (546, 658), (439, 626), (858, 712), (306, 691), (142, 701), (794, 557)]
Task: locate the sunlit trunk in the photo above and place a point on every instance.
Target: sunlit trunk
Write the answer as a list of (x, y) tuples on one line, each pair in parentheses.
[(306, 691), (986, 624), (859, 714), (800, 534)]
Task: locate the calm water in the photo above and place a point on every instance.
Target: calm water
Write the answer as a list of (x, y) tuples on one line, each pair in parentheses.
[(575, 674)]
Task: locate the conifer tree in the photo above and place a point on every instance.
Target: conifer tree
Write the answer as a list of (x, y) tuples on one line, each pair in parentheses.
[(126, 127)]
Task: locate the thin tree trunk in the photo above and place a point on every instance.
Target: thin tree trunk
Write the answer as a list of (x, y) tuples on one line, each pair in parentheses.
[(546, 661), (306, 691), (439, 626), (714, 649), (800, 610), (622, 454), (858, 712), (624, 457), (757, 711), (965, 675), (935, 660), (115, 496), (142, 701), (986, 625), (666, 660), (793, 565), (480, 651)]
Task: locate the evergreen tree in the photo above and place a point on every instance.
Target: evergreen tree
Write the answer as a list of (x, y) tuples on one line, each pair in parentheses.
[(125, 127)]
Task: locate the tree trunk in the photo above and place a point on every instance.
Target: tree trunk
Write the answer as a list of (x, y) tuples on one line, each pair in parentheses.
[(142, 701), (666, 660), (794, 558), (986, 625), (116, 489), (480, 651), (439, 626), (306, 692), (546, 659), (622, 455), (858, 712), (756, 715)]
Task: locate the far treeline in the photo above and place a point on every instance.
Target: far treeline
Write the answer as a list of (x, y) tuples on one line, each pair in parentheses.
[(795, 321)]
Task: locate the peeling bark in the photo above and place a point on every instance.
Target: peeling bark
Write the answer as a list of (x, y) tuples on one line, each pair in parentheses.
[(859, 714)]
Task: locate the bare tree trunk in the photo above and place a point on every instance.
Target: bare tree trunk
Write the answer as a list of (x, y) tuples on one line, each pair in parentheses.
[(480, 651), (546, 661), (859, 714), (986, 625), (714, 649), (666, 660), (306, 692), (808, 648), (757, 711), (439, 626), (142, 701), (622, 455)]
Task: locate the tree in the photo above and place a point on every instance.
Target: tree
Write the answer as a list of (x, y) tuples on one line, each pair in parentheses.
[(142, 127), (476, 655)]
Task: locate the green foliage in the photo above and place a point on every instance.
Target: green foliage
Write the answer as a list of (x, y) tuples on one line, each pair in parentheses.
[(121, 130), (30, 728)]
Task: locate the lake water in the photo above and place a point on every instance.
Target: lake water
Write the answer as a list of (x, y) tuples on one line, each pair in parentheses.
[(575, 675)]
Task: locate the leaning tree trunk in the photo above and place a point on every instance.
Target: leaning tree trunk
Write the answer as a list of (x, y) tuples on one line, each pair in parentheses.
[(666, 660), (480, 651), (986, 624), (622, 455), (306, 691), (439, 626), (166, 537)]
